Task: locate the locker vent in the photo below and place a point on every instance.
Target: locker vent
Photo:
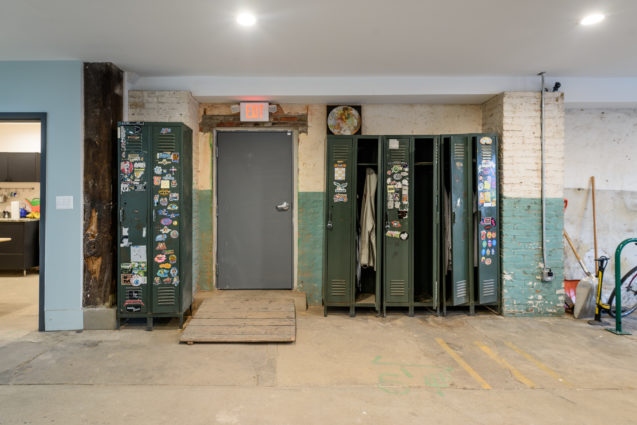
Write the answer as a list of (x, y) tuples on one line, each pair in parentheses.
[(134, 145), (341, 152), (398, 155), (166, 295), (461, 289), (458, 150), (397, 288), (488, 287), (133, 294), (338, 288), (166, 143)]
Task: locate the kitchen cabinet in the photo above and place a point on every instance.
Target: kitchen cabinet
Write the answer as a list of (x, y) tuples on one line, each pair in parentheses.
[(22, 252), (19, 167)]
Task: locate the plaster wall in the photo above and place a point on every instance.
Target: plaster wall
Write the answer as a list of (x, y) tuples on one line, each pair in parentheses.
[(421, 119), (600, 143), (20, 137), (55, 87)]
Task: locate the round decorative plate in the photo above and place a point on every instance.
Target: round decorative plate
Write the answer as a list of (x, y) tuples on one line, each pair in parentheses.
[(344, 120)]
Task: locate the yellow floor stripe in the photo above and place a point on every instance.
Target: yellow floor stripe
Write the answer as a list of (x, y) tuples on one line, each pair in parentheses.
[(538, 363), (526, 381), (464, 364)]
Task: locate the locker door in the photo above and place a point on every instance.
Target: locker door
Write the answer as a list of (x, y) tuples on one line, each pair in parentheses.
[(461, 211), (435, 249), (397, 244), (340, 220), (488, 246), (133, 285), (166, 215)]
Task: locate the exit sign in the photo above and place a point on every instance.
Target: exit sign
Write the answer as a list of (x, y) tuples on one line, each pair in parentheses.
[(255, 111)]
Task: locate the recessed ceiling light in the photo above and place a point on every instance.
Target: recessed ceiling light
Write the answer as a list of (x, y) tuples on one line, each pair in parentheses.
[(592, 19), (246, 19)]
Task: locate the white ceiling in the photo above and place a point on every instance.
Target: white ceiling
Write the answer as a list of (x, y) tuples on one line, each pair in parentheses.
[(328, 38)]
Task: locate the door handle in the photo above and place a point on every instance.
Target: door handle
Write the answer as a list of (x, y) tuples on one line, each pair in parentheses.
[(283, 207)]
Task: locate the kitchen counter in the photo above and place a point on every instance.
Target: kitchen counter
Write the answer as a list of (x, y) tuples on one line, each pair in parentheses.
[(17, 220)]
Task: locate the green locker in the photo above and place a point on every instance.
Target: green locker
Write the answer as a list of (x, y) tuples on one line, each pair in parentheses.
[(486, 185), (411, 215), (351, 161), (471, 244), (155, 220)]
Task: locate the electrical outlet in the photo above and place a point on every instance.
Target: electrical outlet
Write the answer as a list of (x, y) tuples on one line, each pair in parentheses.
[(547, 275)]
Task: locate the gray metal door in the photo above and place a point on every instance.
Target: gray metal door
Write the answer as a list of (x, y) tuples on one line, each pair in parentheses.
[(254, 201)]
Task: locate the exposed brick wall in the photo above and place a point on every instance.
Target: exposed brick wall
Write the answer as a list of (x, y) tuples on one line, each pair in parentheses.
[(180, 106), (515, 116), (493, 115), (167, 105), (524, 293), (520, 147)]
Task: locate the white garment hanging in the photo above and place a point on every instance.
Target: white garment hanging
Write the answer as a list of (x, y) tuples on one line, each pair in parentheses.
[(367, 251)]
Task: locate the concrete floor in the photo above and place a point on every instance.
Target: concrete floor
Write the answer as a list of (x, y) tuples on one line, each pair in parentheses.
[(364, 370)]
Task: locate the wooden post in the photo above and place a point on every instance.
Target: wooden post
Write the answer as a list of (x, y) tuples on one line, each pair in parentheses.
[(103, 107)]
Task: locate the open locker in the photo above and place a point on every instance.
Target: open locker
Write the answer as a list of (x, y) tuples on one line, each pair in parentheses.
[(353, 224), (470, 245), (411, 222)]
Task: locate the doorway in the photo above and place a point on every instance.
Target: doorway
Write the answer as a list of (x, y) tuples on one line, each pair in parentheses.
[(255, 196), (22, 211)]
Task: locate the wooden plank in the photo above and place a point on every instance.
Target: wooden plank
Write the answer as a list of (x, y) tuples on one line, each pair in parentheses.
[(243, 310), (241, 322), (239, 330), (232, 319), (245, 315), (247, 305), (286, 333), (239, 338)]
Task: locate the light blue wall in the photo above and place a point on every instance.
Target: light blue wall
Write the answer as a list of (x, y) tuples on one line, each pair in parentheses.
[(56, 88)]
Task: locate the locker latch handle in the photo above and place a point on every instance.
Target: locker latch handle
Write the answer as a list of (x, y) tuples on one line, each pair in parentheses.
[(330, 226)]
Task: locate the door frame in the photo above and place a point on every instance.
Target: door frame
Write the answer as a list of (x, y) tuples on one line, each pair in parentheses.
[(40, 117), (295, 196)]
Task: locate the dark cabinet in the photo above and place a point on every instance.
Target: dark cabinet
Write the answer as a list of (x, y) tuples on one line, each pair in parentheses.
[(22, 251), (19, 166)]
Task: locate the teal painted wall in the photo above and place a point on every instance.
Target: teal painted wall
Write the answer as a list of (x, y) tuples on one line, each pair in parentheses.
[(310, 245), (524, 293), (56, 88), (203, 239)]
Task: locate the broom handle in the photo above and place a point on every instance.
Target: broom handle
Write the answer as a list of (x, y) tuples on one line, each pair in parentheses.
[(581, 263)]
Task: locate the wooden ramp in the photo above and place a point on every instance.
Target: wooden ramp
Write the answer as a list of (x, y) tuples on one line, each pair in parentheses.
[(242, 319)]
